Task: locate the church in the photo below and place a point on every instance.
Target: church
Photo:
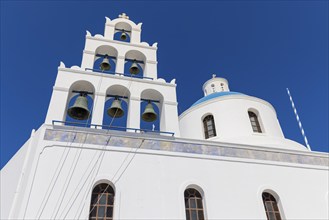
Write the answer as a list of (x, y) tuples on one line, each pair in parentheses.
[(113, 146)]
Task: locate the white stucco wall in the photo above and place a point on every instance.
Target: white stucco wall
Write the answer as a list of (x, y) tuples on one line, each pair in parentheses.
[(150, 184), (10, 175)]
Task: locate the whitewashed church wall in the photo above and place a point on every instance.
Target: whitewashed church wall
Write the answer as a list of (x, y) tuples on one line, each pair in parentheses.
[(150, 183), (10, 175)]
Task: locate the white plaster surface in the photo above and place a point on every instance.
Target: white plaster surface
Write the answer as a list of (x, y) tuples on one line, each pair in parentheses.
[(150, 184)]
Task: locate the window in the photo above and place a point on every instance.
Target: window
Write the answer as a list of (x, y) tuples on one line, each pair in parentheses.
[(101, 206), (254, 122), (209, 127), (271, 207), (193, 205)]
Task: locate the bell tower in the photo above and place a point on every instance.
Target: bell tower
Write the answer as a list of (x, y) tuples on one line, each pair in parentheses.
[(116, 67)]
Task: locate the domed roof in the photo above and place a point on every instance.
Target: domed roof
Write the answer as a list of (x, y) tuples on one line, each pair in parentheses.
[(215, 95)]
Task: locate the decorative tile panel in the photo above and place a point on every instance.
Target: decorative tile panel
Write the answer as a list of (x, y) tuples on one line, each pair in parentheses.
[(174, 146)]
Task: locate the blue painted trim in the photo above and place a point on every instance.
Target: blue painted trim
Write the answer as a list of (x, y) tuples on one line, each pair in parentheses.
[(215, 95)]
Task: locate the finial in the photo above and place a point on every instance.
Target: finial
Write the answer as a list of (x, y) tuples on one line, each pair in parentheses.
[(213, 75), (123, 15)]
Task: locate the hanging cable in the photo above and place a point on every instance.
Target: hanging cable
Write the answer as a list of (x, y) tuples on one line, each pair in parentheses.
[(86, 124), (116, 173), (75, 162), (130, 82)]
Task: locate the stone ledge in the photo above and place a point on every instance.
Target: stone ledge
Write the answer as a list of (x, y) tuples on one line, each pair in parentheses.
[(175, 146)]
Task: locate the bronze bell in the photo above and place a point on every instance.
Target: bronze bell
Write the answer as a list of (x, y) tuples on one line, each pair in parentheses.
[(115, 111), (105, 65), (134, 68), (149, 114), (80, 109), (123, 36)]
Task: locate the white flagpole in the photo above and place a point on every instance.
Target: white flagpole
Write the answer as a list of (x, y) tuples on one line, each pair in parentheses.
[(298, 120)]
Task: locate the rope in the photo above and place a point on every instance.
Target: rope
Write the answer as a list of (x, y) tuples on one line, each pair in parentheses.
[(75, 162), (103, 152), (124, 170), (73, 165)]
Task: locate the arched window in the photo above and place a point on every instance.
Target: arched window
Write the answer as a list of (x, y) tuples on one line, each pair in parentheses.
[(271, 207), (102, 199), (193, 205), (209, 126), (254, 122)]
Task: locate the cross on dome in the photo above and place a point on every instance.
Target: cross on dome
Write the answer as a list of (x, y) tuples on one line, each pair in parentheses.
[(123, 15), (213, 75)]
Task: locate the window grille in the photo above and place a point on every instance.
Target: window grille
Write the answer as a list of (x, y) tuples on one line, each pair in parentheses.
[(254, 122), (102, 200), (193, 205), (209, 126), (271, 207)]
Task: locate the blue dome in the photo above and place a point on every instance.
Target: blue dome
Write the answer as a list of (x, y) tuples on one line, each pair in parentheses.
[(215, 95)]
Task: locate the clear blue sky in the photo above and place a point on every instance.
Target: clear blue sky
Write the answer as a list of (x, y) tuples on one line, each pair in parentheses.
[(261, 47)]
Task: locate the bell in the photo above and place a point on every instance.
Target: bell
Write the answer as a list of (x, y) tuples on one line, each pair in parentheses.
[(123, 36), (115, 111), (149, 114), (105, 65), (134, 68), (79, 110)]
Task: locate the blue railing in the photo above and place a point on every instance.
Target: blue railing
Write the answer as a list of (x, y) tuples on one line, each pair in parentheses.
[(122, 74), (108, 127)]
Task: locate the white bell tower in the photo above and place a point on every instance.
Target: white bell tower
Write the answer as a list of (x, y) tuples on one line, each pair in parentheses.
[(215, 84), (122, 47)]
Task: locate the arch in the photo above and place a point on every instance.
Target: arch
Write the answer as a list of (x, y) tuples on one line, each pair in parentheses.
[(105, 50), (121, 122), (122, 26), (254, 119), (151, 94), (272, 205), (80, 85), (194, 203), (135, 55), (102, 201), (209, 127)]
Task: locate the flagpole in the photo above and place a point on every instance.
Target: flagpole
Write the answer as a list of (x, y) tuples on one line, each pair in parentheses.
[(298, 120)]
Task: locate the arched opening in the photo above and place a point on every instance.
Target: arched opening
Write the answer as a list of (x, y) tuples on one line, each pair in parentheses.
[(102, 202), (255, 125), (134, 63), (271, 206), (209, 126), (193, 204), (116, 108), (105, 59), (79, 104), (122, 32), (151, 105)]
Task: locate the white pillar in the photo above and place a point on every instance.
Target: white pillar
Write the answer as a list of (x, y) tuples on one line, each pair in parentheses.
[(134, 113), (150, 69), (120, 64), (88, 59), (169, 118), (135, 36), (98, 109), (109, 31), (57, 106)]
